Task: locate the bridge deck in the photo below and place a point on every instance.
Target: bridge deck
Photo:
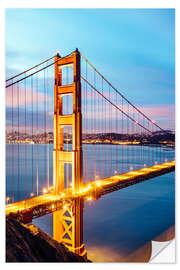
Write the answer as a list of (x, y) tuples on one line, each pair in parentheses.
[(47, 203)]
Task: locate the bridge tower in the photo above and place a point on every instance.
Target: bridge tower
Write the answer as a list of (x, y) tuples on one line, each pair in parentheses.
[(68, 222)]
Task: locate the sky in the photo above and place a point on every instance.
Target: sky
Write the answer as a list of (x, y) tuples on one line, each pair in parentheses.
[(133, 48)]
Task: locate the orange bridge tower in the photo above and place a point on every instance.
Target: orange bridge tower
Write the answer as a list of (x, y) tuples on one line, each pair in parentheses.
[(68, 222)]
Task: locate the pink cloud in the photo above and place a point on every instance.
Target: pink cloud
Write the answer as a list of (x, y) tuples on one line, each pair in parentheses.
[(157, 111), (25, 97), (152, 112)]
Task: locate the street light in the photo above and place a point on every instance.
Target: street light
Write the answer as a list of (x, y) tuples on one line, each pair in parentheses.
[(98, 183), (44, 190)]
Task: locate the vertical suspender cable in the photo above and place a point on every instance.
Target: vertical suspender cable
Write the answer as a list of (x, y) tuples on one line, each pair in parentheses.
[(132, 138), (148, 147), (94, 129), (37, 136), (13, 143), (128, 138), (116, 136), (105, 109), (93, 116), (44, 132), (18, 142), (143, 143), (83, 123), (48, 111), (152, 147), (110, 131), (103, 131), (91, 128), (98, 126), (47, 129), (25, 143), (122, 136), (32, 131), (85, 145)]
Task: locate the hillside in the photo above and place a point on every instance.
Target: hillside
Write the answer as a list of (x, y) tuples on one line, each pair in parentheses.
[(33, 245)]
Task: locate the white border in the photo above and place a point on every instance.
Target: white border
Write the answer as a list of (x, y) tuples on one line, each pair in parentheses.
[(74, 4)]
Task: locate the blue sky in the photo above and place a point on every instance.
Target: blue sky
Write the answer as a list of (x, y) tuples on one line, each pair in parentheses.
[(133, 48)]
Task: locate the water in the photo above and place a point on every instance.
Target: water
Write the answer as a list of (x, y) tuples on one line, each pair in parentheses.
[(131, 224), (125, 221)]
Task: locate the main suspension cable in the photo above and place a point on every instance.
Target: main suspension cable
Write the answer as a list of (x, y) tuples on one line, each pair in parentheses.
[(115, 105), (38, 70), (30, 69), (123, 95)]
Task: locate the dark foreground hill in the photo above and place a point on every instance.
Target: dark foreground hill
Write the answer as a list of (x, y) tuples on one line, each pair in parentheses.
[(33, 245)]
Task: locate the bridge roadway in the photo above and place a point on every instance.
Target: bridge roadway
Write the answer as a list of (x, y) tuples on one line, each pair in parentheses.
[(50, 202)]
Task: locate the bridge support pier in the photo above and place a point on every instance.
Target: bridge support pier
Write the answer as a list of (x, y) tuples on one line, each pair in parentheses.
[(68, 226)]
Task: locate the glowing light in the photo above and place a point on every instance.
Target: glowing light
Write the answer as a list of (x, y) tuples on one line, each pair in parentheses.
[(135, 173), (153, 121), (137, 122), (89, 198), (44, 190), (52, 206), (62, 194), (144, 165), (7, 199), (131, 168), (115, 172), (98, 184), (89, 187), (97, 176), (32, 194), (64, 207), (70, 184)]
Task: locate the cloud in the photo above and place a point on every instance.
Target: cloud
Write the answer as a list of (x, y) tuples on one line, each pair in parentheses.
[(157, 111), (19, 96), (28, 120), (108, 111)]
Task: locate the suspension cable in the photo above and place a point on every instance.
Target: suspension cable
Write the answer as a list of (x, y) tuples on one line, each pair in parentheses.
[(114, 105), (39, 70), (30, 69), (122, 95)]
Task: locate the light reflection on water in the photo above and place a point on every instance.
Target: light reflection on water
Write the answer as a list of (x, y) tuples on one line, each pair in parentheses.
[(127, 220), (121, 226)]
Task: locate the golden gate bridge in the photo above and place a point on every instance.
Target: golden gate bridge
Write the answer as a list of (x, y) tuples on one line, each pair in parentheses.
[(101, 143)]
